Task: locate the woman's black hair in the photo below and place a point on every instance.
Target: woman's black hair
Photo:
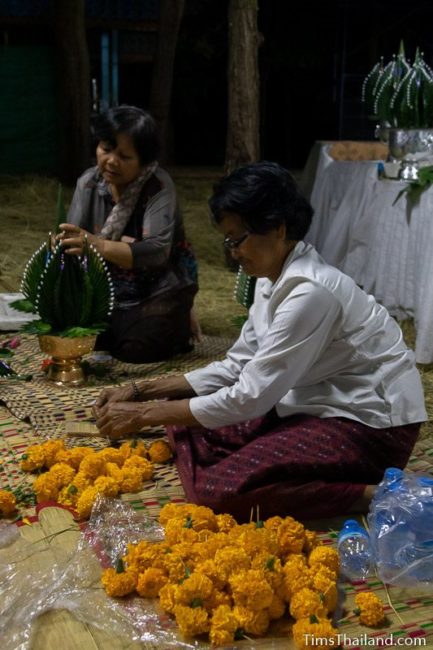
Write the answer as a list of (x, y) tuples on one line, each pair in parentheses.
[(266, 196), (138, 124)]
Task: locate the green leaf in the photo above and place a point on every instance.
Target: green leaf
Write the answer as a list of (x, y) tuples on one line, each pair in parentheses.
[(119, 566), (188, 522), (36, 327), (5, 353), (75, 332), (24, 305), (196, 602)]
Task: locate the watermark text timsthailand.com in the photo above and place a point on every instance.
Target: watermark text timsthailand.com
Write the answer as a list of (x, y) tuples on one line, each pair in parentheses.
[(343, 640)]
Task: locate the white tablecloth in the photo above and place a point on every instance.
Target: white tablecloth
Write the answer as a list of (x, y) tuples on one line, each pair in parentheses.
[(386, 248)]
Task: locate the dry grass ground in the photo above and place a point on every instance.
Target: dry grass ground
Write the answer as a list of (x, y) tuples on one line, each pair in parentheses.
[(27, 214)]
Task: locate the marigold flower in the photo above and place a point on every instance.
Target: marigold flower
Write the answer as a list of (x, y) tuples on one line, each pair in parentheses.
[(146, 554), (324, 555), (277, 608), (72, 457), (256, 540), (80, 481), (167, 597), (142, 464), (118, 584), (214, 571), (295, 578), (159, 451), (45, 487), (225, 522), (305, 603), (223, 626), (310, 632), (176, 532), (290, 536), (192, 621), (150, 582), (207, 549), (273, 522), (51, 448), (131, 447), (230, 559), (251, 590), (131, 480), (185, 550), (201, 518), (92, 465), (68, 496), (7, 503), (62, 474), (311, 541), (33, 459), (369, 608), (197, 587), (85, 502), (325, 582), (113, 471), (252, 621), (216, 599), (271, 566), (112, 455), (107, 486), (173, 511)]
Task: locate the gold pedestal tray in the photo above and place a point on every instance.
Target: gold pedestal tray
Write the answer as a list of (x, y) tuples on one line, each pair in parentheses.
[(66, 356)]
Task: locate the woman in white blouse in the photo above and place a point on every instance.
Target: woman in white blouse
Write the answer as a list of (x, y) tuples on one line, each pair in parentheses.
[(316, 398)]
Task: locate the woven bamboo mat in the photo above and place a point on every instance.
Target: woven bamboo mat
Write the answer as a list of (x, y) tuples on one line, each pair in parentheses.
[(37, 410)]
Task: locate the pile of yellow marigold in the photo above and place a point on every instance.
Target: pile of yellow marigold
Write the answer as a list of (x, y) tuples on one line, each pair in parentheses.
[(7, 503), (227, 580), (74, 477)]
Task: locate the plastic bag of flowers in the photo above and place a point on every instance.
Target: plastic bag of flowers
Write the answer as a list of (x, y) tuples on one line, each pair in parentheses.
[(221, 581)]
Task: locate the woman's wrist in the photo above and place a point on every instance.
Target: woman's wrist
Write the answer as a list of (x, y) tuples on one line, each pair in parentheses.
[(175, 387)]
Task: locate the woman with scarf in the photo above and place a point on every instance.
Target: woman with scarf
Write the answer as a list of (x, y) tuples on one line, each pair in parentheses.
[(126, 207), (315, 399)]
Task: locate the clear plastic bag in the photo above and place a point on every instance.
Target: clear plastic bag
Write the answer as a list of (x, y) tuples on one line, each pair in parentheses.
[(41, 576), (401, 529)]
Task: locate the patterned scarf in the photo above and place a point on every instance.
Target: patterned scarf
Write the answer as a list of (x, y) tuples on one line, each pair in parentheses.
[(119, 215)]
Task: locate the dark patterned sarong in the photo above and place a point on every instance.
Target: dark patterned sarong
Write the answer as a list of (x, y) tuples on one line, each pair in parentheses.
[(302, 466)]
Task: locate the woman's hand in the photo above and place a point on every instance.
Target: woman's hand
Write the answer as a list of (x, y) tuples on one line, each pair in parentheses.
[(117, 419), (73, 239), (109, 395)]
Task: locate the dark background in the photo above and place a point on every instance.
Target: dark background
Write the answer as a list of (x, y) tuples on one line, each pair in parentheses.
[(313, 59)]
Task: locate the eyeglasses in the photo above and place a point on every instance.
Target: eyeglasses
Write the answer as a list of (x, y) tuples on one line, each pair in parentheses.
[(232, 244)]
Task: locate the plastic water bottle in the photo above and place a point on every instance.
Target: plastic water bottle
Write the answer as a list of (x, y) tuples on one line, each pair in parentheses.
[(391, 477), (380, 518), (354, 548), (389, 523), (416, 558)]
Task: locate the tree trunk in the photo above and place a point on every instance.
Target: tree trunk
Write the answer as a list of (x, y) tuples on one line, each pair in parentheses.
[(243, 85), (170, 16), (73, 84)]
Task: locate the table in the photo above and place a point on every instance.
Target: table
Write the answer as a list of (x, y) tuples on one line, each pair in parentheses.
[(384, 246)]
